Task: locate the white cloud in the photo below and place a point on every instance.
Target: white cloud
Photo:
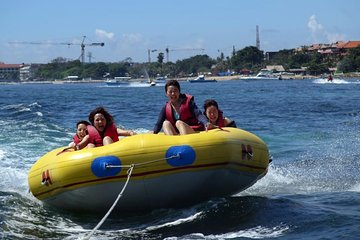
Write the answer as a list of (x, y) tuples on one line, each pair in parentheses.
[(320, 34), (313, 25), (102, 34)]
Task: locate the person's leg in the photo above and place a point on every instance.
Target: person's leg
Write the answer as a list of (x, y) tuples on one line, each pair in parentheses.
[(183, 128), (107, 140), (168, 128), (90, 145)]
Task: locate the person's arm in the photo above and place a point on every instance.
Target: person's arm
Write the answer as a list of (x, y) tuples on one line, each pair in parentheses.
[(122, 132), (229, 123), (161, 119), (198, 114), (82, 144)]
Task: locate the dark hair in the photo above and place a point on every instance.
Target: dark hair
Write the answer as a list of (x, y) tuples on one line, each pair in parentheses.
[(210, 102), (102, 110), (174, 83), (86, 123)]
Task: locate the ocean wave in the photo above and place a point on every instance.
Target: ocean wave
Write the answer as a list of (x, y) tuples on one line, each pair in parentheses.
[(2, 154), (334, 81), (355, 188), (253, 233), (14, 180)]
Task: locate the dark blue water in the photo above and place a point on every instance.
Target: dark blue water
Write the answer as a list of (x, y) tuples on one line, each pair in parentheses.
[(310, 192)]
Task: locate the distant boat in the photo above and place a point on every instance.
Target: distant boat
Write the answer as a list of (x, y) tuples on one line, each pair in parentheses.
[(201, 79), (160, 80), (118, 81), (128, 82), (263, 75)]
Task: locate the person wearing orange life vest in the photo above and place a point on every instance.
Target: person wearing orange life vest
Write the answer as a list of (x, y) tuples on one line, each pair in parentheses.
[(103, 130), (80, 139), (180, 115), (215, 115)]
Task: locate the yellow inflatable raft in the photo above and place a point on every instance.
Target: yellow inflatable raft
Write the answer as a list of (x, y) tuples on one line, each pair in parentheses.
[(167, 171)]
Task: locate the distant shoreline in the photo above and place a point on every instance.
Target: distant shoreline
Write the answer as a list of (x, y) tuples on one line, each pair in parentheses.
[(217, 78)]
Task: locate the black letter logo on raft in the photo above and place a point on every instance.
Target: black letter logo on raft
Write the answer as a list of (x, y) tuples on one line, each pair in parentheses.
[(246, 152)]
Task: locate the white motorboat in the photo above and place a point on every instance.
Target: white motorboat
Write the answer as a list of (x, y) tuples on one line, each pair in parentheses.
[(201, 79), (263, 75), (161, 80), (118, 81)]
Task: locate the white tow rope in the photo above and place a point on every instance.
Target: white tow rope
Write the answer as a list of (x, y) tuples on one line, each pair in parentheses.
[(129, 172)]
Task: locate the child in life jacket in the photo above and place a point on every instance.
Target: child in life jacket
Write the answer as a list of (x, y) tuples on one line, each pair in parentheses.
[(81, 138), (215, 115)]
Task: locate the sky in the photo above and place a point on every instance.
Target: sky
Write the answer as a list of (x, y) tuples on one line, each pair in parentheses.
[(186, 27)]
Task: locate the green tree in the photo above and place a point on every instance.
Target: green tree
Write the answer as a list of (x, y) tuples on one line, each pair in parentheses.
[(248, 57), (351, 62), (118, 69), (160, 58), (193, 64), (298, 60)]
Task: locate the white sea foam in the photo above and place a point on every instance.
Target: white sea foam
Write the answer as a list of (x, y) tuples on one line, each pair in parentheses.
[(11, 106), (176, 222), (253, 233), (277, 180), (35, 104), (2, 154), (40, 114), (355, 188), (13, 180), (24, 109), (334, 81)]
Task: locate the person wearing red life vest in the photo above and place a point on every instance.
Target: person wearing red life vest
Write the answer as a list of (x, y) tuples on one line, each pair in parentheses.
[(80, 139), (215, 115), (103, 130), (180, 115)]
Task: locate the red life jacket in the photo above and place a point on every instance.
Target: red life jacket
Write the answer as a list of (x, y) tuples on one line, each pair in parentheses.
[(76, 139), (220, 121), (185, 114), (97, 139)]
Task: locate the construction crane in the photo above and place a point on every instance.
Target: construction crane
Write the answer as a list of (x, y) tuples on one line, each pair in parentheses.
[(151, 50), (167, 50), (82, 45)]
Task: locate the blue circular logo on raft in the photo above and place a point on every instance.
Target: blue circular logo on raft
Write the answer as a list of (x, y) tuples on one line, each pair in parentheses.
[(178, 156), (99, 166)]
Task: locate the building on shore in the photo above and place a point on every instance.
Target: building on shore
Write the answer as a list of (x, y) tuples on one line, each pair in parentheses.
[(18, 72), (9, 71)]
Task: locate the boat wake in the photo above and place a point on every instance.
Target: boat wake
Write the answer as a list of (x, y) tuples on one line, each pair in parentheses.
[(330, 168), (254, 233), (334, 81)]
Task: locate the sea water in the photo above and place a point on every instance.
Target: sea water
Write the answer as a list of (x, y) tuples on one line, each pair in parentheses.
[(310, 192)]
